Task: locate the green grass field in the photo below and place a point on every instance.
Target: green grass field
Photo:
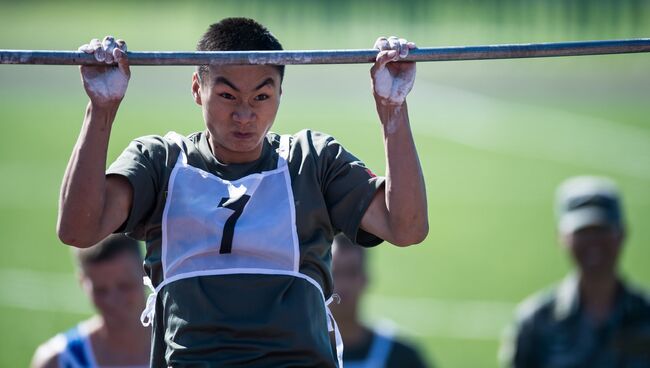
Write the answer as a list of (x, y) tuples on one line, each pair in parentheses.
[(494, 137)]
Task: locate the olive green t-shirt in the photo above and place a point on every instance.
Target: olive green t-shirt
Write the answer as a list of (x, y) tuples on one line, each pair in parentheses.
[(250, 320)]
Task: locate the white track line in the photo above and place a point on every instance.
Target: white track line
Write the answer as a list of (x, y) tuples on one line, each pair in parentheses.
[(430, 317), (42, 291), (531, 131)]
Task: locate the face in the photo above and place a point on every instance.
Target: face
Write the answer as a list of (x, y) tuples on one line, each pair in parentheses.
[(239, 104), (115, 288), (349, 279), (595, 249)]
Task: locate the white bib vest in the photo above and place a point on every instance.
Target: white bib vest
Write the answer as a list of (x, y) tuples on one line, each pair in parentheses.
[(212, 226)]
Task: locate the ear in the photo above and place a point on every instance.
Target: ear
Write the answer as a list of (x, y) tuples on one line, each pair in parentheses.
[(622, 234), (365, 281), (196, 88), (84, 283), (563, 239)]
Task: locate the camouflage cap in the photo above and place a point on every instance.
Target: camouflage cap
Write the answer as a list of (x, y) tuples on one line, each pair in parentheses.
[(587, 201)]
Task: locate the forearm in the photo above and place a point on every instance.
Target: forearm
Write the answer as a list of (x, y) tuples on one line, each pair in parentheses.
[(405, 192), (83, 191)]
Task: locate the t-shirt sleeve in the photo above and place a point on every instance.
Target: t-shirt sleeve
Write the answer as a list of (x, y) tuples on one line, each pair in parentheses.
[(142, 163), (348, 187)]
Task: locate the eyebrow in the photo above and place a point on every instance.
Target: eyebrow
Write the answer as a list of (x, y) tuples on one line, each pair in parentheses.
[(226, 82), (267, 81)]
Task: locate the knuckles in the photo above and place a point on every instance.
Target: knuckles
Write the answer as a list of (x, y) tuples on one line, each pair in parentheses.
[(400, 46), (104, 50)]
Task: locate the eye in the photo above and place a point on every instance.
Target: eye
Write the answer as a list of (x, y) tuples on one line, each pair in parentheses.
[(100, 291), (227, 96), (125, 286), (261, 97)]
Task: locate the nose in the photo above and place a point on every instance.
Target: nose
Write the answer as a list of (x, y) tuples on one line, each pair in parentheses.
[(244, 113), (115, 297)]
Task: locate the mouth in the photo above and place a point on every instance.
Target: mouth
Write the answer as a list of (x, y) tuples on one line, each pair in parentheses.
[(243, 135), (594, 258)]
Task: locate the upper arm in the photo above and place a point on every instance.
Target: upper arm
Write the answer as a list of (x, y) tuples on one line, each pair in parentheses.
[(83, 228), (375, 219), (117, 205)]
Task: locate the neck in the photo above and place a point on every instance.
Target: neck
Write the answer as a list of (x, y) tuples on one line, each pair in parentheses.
[(129, 336), (352, 331), (127, 344), (597, 293)]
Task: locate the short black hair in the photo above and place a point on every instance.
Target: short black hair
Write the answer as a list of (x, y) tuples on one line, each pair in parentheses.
[(107, 249), (238, 34), (344, 244)]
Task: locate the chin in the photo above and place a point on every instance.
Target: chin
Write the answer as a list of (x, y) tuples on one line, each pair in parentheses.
[(121, 318), (245, 147), (597, 270)]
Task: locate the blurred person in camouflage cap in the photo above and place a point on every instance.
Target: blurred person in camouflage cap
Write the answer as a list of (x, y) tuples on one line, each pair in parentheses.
[(593, 318)]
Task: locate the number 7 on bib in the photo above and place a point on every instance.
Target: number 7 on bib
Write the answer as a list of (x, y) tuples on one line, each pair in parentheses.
[(229, 227)]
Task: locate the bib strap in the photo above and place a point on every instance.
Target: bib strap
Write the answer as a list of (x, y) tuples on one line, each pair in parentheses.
[(332, 326), (283, 150), (148, 313), (178, 139)]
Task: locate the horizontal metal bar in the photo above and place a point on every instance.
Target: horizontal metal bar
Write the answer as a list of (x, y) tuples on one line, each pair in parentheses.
[(334, 56)]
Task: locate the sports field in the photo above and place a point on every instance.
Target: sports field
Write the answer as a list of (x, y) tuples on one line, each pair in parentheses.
[(495, 138)]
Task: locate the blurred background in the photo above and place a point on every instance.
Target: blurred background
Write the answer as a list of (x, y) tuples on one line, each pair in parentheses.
[(495, 138)]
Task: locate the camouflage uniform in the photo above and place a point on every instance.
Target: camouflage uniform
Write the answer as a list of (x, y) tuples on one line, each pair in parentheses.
[(554, 330)]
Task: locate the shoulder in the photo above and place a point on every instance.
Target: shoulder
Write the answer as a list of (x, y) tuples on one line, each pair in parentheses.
[(151, 141), (532, 316), (156, 151), (406, 353), (149, 148), (537, 307), (637, 300), (177, 139), (309, 147), (322, 148), (47, 354), (158, 145), (636, 292), (314, 141)]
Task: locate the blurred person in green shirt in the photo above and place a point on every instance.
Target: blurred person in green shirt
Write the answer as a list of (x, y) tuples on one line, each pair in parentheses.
[(593, 318), (365, 347)]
